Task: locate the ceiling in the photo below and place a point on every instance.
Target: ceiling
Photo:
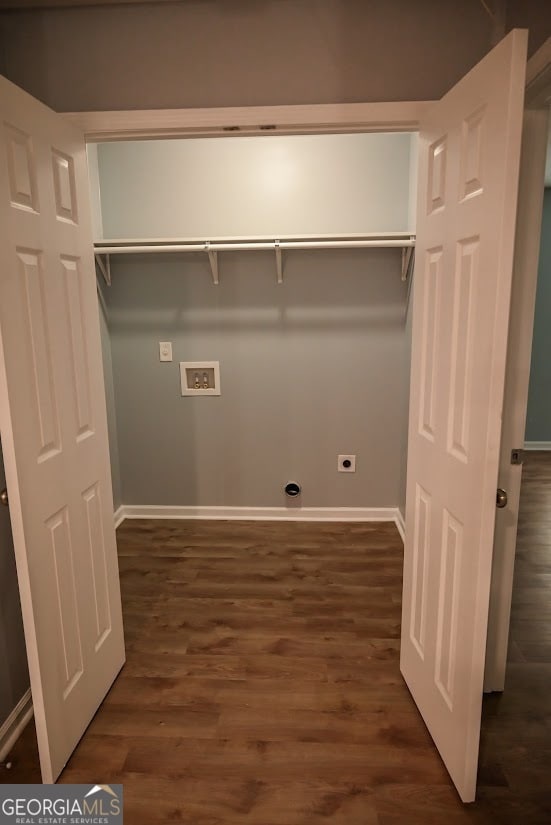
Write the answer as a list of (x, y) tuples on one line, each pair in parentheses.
[(21, 5)]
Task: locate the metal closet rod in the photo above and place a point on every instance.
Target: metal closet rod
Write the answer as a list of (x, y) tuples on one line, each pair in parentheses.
[(405, 242), (224, 246)]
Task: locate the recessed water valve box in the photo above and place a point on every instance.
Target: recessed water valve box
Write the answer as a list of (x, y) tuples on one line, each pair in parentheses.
[(200, 377)]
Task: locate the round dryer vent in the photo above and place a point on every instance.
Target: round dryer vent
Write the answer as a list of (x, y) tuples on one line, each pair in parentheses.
[(292, 489)]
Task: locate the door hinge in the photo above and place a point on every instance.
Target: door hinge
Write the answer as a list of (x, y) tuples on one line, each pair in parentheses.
[(517, 456)]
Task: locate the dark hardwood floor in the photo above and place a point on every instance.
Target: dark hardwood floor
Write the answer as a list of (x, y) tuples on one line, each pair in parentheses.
[(516, 729), (262, 684)]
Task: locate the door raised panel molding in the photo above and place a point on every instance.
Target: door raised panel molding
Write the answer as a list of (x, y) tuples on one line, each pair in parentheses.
[(77, 346), (421, 559), (436, 183), (92, 503), (66, 597), (21, 169), (31, 274), (448, 596), (462, 347), (64, 187), (472, 136), (430, 325)]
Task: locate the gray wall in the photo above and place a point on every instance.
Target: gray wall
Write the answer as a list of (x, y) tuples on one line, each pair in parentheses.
[(309, 369), (538, 419), (243, 52), (408, 328), (109, 393), (14, 677)]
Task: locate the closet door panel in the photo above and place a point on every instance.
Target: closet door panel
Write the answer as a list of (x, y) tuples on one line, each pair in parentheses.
[(468, 179), (53, 423)]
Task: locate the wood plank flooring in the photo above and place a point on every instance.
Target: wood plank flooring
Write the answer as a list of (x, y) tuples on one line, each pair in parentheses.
[(516, 729), (262, 683)]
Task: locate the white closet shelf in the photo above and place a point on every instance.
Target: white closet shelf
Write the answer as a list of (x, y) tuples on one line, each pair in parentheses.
[(103, 249)]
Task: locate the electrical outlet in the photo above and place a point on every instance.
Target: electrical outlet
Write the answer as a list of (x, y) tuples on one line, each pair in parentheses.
[(346, 464), (165, 351)]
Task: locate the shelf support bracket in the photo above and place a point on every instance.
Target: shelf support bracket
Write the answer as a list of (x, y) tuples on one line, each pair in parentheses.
[(213, 260), (407, 253), (279, 262), (104, 267), (410, 280)]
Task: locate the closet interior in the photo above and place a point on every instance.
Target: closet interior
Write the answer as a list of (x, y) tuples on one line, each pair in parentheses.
[(271, 276)]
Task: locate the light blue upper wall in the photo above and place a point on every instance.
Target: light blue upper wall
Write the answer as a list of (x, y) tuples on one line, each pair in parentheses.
[(256, 186), (538, 420)]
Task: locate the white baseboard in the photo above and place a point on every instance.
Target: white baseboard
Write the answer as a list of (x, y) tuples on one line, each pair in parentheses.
[(537, 445), (400, 524), (133, 511), (119, 515), (13, 727)]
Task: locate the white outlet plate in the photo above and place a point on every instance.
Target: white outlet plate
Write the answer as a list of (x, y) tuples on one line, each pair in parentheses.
[(341, 464), (165, 351)]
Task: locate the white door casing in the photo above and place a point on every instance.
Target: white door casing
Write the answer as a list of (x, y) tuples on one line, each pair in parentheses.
[(53, 424), (469, 158)]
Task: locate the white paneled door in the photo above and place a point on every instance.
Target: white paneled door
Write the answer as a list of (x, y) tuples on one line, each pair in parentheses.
[(53, 424), (468, 178)]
